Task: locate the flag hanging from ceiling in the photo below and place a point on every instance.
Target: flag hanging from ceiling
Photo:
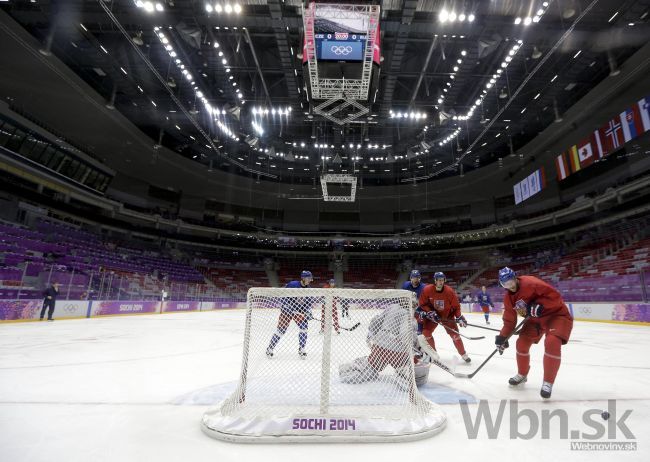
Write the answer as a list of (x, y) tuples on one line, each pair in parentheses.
[(626, 126), (529, 186), (574, 159), (632, 123), (517, 189), (562, 167), (598, 144), (644, 111), (585, 153), (613, 135)]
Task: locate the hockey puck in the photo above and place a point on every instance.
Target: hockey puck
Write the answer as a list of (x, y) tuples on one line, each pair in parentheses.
[(605, 415)]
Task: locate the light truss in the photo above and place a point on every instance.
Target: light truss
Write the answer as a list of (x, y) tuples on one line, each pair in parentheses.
[(336, 90), (340, 179)]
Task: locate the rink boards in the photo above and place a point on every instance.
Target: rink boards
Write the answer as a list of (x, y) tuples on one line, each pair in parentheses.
[(29, 310)]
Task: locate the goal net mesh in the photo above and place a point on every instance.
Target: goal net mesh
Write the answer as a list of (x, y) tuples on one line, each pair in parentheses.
[(326, 365)]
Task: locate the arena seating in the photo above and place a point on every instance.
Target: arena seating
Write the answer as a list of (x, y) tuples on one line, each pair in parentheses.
[(371, 274), (603, 266)]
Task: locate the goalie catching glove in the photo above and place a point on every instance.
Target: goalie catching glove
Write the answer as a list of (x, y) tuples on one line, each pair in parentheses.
[(502, 343)]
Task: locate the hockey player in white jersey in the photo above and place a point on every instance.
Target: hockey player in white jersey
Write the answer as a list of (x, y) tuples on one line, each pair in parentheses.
[(392, 339)]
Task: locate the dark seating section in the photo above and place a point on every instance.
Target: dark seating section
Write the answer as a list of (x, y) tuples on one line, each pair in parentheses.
[(289, 269), (367, 273)]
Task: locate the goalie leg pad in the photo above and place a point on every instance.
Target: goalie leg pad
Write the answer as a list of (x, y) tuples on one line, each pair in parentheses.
[(427, 348), (421, 374), (358, 371)]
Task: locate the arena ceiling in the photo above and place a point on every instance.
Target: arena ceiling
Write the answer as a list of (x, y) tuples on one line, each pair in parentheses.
[(474, 91)]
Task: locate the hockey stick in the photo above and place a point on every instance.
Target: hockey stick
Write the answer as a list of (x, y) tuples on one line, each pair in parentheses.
[(469, 376), (483, 327), (349, 329), (456, 332), (443, 367)]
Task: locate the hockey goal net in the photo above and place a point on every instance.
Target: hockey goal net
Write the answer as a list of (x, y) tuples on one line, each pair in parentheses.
[(355, 385)]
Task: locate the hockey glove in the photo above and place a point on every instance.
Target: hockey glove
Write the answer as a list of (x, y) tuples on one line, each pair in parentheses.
[(502, 343), (433, 316), (461, 321), (420, 314), (534, 310)]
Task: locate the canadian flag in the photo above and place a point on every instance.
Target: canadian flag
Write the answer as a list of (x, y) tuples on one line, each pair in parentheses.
[(585, 153)]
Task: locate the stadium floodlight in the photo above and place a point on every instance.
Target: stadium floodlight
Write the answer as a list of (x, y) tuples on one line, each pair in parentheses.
[(443, 16)]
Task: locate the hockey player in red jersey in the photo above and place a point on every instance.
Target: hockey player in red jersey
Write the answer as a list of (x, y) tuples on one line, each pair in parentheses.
[(335, 315), (439, 305), (547, 315)]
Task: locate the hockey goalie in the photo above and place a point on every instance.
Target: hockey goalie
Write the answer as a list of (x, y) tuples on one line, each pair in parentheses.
[(389, 346)]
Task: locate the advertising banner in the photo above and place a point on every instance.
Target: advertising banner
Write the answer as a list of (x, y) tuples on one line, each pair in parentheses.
[(13, 310), (103, 308), (169, 307)]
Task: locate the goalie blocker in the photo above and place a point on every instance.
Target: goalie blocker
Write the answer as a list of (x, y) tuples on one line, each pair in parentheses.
[(286, 399)]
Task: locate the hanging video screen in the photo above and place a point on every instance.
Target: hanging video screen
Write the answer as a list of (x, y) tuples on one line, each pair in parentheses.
[(340, 35)]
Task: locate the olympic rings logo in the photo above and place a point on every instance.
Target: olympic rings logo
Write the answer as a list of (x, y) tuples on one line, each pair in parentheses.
[(70, 308), (585, 310), (341, 50)]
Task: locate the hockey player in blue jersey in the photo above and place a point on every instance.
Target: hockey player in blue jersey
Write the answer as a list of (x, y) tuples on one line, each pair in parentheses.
[(298, 310), (485, 302), (415, 285)]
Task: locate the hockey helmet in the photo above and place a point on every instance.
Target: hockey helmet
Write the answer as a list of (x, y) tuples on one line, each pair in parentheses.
[(505, 274)]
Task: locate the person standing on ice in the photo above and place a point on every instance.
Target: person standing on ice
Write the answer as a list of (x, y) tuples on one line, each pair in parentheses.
[(485, 302), (297, 310), (547, 315), (49, 301), (415, 285), (439, 305)]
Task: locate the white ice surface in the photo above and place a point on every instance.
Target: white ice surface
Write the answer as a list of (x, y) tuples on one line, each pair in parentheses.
[(135, 388)]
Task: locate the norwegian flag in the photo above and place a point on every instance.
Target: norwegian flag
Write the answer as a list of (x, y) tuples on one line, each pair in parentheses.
[(613, 135), (632, 123)]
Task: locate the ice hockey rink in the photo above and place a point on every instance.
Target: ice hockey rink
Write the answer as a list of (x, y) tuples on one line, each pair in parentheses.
[(135, 388)]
